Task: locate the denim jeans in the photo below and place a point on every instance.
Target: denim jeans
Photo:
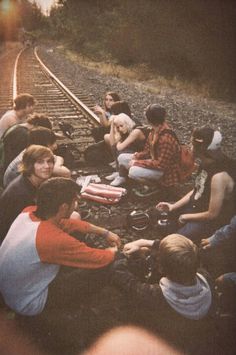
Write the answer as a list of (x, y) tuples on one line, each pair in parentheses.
[(194, 230), (137, 172)]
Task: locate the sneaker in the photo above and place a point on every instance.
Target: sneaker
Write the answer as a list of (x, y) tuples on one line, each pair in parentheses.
[(146, 191), (112, 176), (113, 164), (119, 180)]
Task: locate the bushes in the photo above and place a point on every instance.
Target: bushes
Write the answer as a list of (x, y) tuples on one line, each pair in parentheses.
[(188, 39)]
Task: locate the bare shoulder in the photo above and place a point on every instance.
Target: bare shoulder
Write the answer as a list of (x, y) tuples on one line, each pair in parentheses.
[(222, 179), (137, 132)]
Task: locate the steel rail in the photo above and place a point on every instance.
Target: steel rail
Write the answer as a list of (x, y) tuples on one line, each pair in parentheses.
[(66, 90), (14, 82)]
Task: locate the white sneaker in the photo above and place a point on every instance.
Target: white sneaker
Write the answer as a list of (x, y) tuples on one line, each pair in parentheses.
[(112, 176), (113, 164), (119, 180)]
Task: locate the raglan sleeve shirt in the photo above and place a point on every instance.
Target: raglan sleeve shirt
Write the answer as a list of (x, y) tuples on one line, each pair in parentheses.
[(55, 245)]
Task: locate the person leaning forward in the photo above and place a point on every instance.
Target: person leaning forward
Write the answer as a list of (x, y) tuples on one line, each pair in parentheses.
[(39, 243)]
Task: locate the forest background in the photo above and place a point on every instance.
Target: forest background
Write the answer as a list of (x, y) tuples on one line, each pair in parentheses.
[(188, 40)]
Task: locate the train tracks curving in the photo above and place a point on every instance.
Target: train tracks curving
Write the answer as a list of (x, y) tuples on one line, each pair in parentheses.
[(28, 73)]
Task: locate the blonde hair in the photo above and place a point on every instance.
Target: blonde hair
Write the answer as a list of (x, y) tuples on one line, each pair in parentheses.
[(179, 258), (126, 121)]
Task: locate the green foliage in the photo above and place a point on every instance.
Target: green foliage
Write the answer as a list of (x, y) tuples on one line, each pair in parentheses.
[(186, 39)]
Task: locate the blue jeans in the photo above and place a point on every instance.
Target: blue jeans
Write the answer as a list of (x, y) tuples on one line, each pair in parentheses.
[(137, 172), (194, 230)]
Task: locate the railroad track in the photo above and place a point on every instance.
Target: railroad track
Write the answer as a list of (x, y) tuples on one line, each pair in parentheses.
[(60, 103), (7, 61), (67, 104)]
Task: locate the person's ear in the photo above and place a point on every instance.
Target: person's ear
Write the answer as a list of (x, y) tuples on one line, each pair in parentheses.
[(63, 208)]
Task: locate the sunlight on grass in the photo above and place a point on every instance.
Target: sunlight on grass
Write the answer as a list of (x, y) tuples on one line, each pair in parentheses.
[(141, 75)]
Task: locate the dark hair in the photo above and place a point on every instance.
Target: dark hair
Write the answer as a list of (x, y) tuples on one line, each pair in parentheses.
[(121, 107), (114, 95), (41, 136), (41, 120), (155, 114), (23, 100), (53, 193), (202, 137)]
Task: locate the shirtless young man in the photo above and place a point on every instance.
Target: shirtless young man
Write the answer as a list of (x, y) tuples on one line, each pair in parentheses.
[(23, 106)]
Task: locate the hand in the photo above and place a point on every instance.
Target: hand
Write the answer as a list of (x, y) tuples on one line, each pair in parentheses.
[(164, 206), (98, 109), (113, 249), (131, 248), (205, 244), (183, 219), (113, 239)]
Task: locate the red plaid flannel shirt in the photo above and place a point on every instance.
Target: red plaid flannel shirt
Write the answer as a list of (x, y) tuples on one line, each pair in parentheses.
[(161, 153)]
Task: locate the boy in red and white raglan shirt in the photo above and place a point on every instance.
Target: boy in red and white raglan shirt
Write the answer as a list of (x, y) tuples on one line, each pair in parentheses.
[(39, 243)]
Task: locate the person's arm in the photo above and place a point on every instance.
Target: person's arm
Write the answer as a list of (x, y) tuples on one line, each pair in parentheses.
[(175, 206), (102, 115), (113, 138), (54, 246), (71, 225), (166, 149), (150, 295), (137, 245), (221, 235), (59, 169), (134, 135), (219, 184), (143, 154)]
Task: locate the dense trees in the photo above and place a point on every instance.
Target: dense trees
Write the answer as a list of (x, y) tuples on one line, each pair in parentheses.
[(185, 38)]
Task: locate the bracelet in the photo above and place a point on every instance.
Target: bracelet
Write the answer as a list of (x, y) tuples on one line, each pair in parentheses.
[(106, 233)]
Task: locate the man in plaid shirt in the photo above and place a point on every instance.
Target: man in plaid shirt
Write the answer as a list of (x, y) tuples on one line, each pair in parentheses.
[(160, 159)]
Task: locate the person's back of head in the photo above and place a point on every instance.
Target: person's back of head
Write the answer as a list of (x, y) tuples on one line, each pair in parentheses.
[(155, 114), (39, 120), (53, 193), (22, 101), (207, 141), (31, 155), (121, 107), (179, 259), (41, 136)]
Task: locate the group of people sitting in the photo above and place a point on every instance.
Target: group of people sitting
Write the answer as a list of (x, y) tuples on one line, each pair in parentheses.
[(43, 248)]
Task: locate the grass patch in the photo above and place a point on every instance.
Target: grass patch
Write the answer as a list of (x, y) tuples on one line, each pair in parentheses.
[(141, 75)]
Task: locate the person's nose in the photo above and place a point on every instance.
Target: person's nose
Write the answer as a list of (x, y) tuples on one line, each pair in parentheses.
[(47, 164)]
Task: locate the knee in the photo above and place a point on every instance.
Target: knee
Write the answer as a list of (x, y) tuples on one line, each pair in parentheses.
[(107, 138), (121, 160), (133, 173)]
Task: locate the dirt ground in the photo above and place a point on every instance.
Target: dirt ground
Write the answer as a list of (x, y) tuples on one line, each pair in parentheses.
[(71, 333)]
